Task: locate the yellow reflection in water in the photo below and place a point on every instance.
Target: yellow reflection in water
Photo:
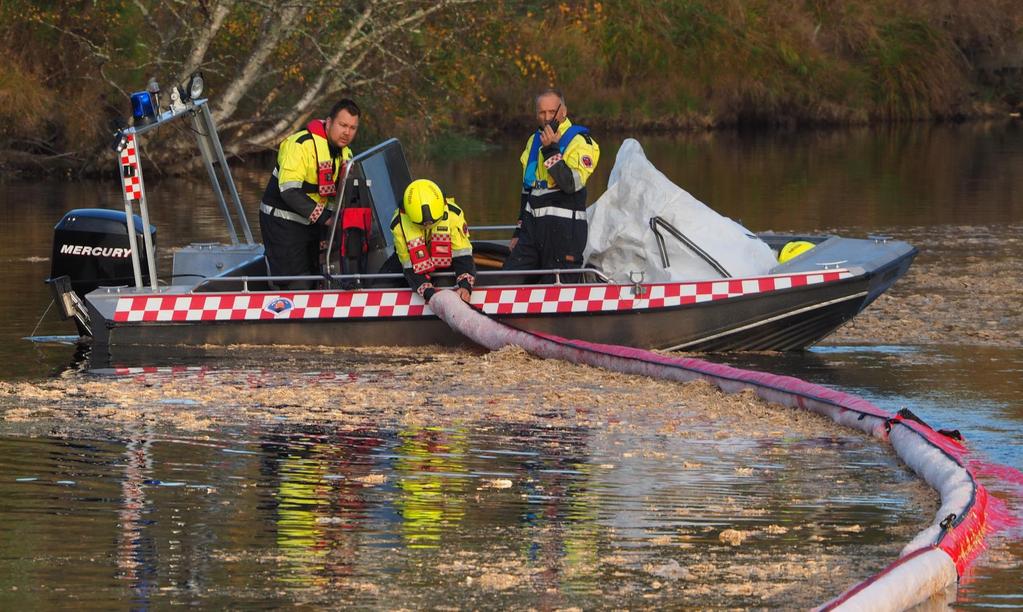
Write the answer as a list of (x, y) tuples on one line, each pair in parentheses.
[(432, 495), (299, 535)]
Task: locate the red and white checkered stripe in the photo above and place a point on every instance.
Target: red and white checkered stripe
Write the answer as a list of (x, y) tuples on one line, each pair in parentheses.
[(255, 306), (165, 370), (492, 300), (129, 157), (603, 298)]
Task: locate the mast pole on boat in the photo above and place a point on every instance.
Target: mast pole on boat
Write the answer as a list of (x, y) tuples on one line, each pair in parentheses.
[(206, 152), (134, 190), (211, 149)]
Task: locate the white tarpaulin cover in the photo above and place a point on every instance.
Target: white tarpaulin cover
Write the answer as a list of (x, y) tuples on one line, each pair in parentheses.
[(621, 240)]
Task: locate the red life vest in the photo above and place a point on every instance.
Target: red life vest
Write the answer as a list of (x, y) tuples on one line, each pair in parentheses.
[(440, 246), (419, 255), (429, 253)]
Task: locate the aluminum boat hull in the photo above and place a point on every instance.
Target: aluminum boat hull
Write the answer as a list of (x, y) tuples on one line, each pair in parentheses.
[(787, 311)]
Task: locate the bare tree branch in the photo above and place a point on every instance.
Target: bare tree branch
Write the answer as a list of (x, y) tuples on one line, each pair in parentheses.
[(313, 92), (205, 37), (148, 16), (363, 36), (275, 25)]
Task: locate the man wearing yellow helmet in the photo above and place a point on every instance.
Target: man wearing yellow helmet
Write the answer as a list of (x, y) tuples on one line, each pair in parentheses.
[(431, 234)]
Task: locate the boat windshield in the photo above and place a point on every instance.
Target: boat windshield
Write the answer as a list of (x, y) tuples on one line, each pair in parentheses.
[(387, 174)]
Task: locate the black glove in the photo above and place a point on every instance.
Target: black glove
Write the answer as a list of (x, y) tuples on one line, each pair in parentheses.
[(428, 293), (550, 150), (324, 217)]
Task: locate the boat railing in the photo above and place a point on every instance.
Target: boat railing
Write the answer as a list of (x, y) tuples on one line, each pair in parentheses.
[(364, 281), (491, 228), (660, 222)]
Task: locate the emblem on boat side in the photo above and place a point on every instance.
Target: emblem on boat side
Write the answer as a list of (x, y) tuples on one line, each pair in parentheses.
[(278, 305)]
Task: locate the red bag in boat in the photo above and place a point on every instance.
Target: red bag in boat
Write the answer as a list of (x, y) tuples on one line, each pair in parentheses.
[(352, 244)]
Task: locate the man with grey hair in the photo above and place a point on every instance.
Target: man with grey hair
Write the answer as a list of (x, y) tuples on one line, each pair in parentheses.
[(558, 160)]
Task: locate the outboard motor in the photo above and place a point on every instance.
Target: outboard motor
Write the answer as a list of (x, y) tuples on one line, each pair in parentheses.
[(90, 250)]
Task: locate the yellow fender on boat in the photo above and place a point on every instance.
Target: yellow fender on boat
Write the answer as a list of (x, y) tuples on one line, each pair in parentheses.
[(793, 249)]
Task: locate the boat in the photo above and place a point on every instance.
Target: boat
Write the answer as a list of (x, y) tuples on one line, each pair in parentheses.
[(104, 277)]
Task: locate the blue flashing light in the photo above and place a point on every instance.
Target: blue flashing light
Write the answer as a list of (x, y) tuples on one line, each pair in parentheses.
[(142, 108)]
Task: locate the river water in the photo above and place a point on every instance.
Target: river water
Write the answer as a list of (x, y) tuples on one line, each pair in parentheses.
[(473, 512)]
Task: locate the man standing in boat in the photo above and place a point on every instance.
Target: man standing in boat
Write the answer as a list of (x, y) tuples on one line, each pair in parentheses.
[(431, 235), (294, 210), (558, 160)]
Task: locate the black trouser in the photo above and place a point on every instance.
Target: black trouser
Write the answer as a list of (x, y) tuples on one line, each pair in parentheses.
[(292, 249), (545, 243)]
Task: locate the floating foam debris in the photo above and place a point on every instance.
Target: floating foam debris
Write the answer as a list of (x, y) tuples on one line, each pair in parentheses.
[(496, 483), (930, 563), (371, 479), (510, 453), (733, 537), (671, 570)]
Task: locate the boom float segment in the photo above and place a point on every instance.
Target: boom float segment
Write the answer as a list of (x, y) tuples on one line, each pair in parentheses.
[(929, 564)]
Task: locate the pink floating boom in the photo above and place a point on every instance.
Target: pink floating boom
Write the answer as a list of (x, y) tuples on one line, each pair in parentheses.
[(931, 563)]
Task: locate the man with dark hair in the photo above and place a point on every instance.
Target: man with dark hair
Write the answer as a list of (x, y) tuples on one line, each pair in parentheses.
[(558, 159), (294, 210)]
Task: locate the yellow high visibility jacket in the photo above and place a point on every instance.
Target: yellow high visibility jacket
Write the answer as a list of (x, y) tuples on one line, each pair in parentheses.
[(300, 159), (581, 156), (445, 244)]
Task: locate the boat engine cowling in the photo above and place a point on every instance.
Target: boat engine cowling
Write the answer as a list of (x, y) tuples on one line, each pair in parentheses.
[(91, 247)]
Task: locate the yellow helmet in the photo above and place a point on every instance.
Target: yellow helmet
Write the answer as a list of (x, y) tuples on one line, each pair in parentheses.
[(423, 202), (794, 249)]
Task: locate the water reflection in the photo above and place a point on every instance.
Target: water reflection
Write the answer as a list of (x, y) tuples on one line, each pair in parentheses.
[(136, 551), (414, 514), (430, 467)]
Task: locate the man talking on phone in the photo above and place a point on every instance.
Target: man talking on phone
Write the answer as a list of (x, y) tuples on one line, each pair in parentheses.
[(558, 160)]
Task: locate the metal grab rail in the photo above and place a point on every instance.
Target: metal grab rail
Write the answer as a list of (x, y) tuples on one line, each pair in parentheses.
[(671, 229), (245, 280), (491, 228)]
